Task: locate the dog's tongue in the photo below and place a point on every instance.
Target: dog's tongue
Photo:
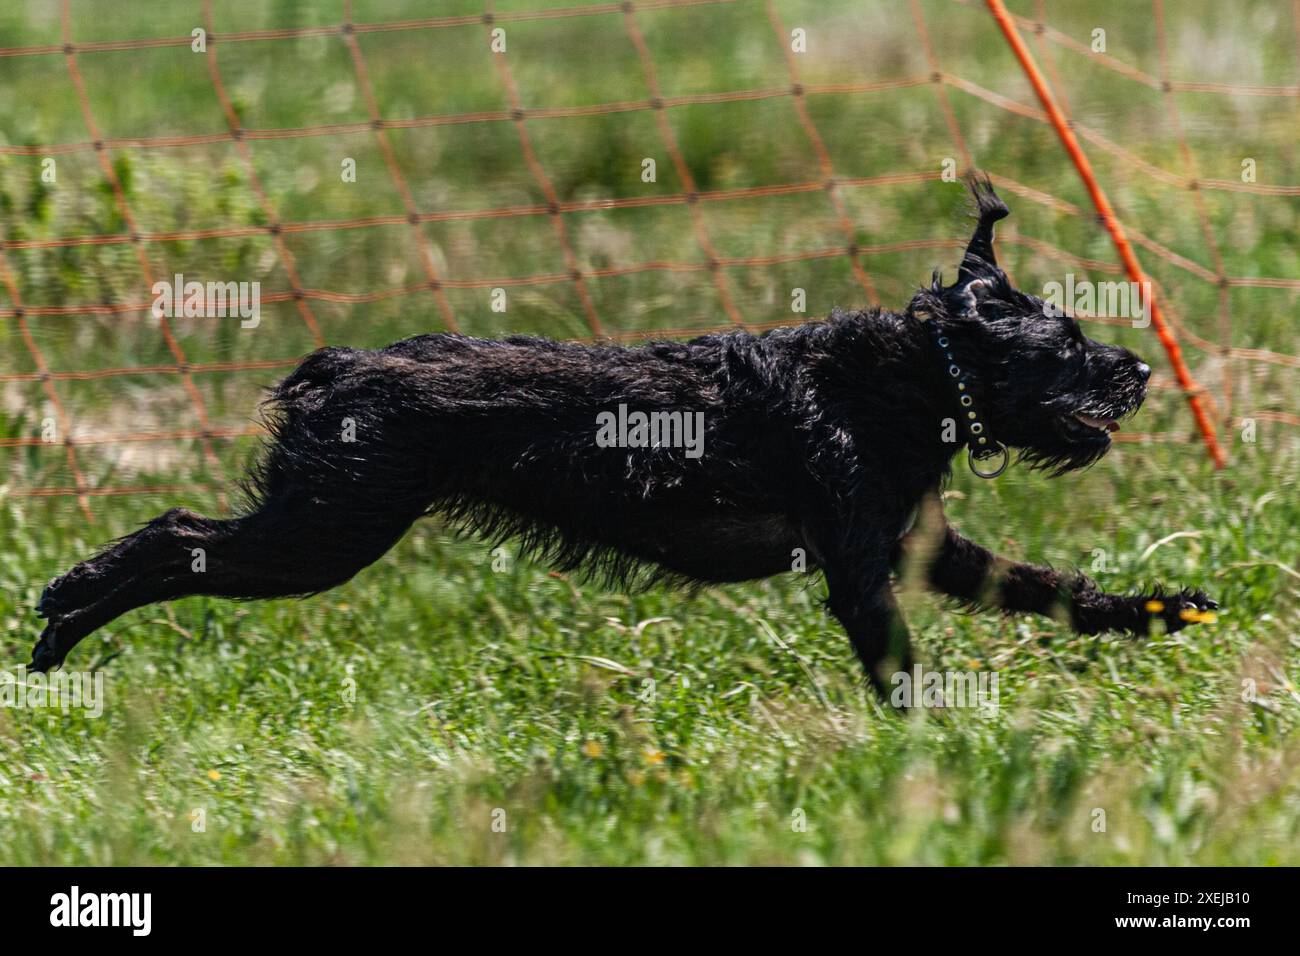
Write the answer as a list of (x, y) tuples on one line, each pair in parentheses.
[(1109, 424)]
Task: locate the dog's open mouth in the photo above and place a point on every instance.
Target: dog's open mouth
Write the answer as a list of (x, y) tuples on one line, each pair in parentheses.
[(1097, 422), (1088, 427)]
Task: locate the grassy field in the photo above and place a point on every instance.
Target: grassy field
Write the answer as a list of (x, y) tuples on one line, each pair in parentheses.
[(455, 706)]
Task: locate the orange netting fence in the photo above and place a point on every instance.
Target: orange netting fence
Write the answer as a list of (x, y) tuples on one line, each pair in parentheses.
[(1049, 44)]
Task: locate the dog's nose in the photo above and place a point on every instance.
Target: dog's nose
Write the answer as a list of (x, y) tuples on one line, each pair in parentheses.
[(1144, 370)]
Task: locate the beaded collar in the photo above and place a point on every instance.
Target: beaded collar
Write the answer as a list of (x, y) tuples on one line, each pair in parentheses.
[(980, 445)]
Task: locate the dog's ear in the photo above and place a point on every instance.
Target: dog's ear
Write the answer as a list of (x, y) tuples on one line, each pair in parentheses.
[(979, 258)]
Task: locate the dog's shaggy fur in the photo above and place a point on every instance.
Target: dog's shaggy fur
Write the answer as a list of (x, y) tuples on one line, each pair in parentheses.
[(819, 440)]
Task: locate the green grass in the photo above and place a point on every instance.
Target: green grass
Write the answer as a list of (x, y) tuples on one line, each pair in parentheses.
[(394, 720), (657, 728)]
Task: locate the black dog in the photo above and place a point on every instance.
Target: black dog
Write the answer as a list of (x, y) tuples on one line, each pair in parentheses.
[(820, 440)]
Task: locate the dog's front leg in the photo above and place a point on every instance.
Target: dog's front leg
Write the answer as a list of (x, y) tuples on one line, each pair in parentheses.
[(861, 599), (978, 577)]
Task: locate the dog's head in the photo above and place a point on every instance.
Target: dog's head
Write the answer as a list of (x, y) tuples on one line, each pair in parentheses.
[(1040, 385)]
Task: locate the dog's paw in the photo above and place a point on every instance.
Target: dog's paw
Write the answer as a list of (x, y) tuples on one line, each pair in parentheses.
[(48, 651), (1182, 608)]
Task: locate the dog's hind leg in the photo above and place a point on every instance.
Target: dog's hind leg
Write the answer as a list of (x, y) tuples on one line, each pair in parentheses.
[(979, 578), (281, 551)]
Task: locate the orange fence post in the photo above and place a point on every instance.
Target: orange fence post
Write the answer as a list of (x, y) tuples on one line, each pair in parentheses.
[(1131, 265)]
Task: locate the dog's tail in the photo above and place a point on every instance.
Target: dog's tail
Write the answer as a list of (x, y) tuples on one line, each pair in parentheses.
[(318, 370), (289, 412)]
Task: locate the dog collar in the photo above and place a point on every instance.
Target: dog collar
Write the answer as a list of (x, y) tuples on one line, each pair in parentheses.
[(981, 447)]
